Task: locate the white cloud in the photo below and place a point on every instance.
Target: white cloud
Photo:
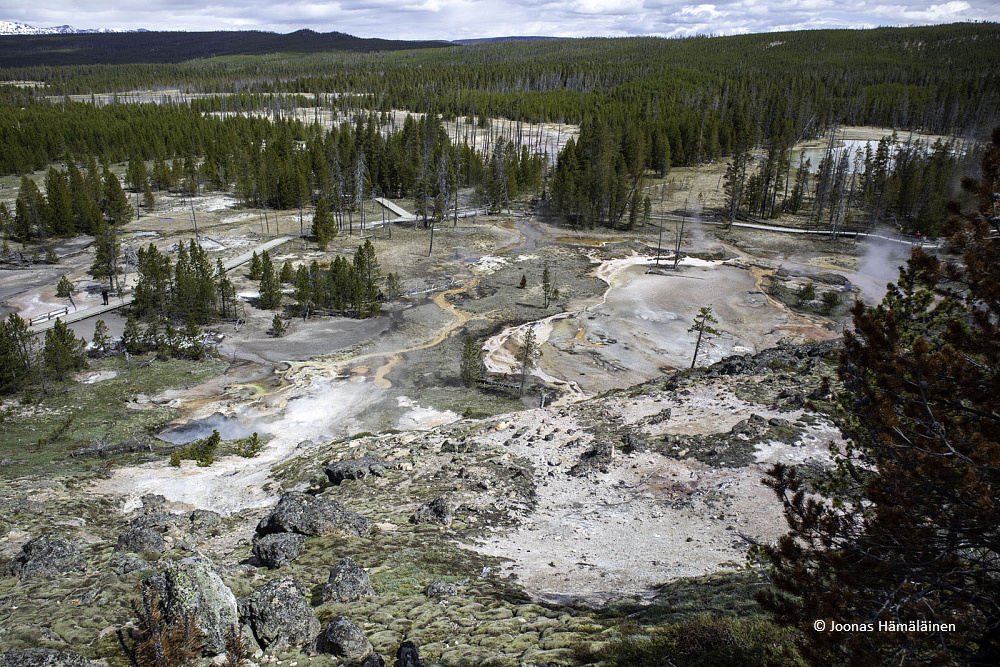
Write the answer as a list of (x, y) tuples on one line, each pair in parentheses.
[(456, 19)]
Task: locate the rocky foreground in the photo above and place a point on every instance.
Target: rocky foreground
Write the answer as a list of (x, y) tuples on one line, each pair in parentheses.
[(514, 540)]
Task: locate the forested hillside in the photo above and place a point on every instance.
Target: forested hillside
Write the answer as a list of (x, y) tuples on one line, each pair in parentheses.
[(645, 105), (174, 47)]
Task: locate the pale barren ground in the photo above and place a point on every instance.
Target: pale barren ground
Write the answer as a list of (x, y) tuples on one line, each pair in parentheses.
[(648, 517)]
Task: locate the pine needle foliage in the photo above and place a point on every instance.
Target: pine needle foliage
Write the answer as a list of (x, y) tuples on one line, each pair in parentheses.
[(158, 641), (909, 529)]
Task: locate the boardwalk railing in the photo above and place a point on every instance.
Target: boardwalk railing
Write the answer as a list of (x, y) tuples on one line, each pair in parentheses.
[(51, 315)]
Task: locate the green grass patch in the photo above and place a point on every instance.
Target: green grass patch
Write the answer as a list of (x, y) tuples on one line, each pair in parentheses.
[(72, 415)]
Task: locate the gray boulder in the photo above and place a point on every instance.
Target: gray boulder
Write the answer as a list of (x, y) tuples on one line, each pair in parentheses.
[(308, 515), (47, 556), (440, 589), (192, 586), (347, 583), (153, 503), (161, 522), (280, 617), (141, 538), (438, 510), (373, 660), (126, 563), (408, 656), (367, 465), (43, 657), (343, 638), (206, 522), (751, 427), (277, 549)]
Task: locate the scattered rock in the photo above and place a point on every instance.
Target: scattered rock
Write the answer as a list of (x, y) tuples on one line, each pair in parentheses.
[(206, 522), (43, 657), (141, 538), (373, 660), (153, 503), (408, 656), (47, 556), (308, 515), (829, 278), (342, 638), (751, 427), (596, 457), (36, 507), (192, 586), (367, 465), (278, 549), (660, 417), (127, 563), (279, 614), (438, 510), (440, 589), (347, 583), (161, 521)]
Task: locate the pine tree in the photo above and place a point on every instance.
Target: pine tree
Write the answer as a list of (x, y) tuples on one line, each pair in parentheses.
[(270, 288), (59, 204), (526, 356), (64, 288), (116, 205), (102, 343), (106, 249), (132, 337), (63, 352), (17, 354), (153, 287), (254, 273), (278, 326), (549, 289), (324, 227), (287, 274), (703, 322), (472, 364), (226, 291)]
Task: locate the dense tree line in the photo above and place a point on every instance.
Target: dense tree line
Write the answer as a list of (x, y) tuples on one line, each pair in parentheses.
[(346, 287), (645, 104)]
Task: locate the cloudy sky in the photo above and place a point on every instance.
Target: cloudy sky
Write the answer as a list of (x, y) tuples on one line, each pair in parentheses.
[(457, 19)]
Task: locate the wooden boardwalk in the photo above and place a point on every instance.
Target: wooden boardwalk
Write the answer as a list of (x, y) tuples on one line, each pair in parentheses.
[(124, 300)]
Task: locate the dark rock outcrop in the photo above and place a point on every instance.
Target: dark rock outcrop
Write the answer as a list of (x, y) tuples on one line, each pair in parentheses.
[(192, 586), (47, 556), (342, 638), (440, 589), (347, 583), (126, 563), (750, 427), (438, 510), (308, 515), (206, 522), (278, 549), (373, 660), (367, 465), (141, 538), (279, 615), (408, 655)]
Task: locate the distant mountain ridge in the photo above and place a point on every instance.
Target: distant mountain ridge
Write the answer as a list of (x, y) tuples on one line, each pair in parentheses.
[(511, 38), (18, 28), (113, 48)]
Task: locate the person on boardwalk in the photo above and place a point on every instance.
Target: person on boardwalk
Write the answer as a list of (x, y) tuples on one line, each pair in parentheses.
[(104, 295)]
